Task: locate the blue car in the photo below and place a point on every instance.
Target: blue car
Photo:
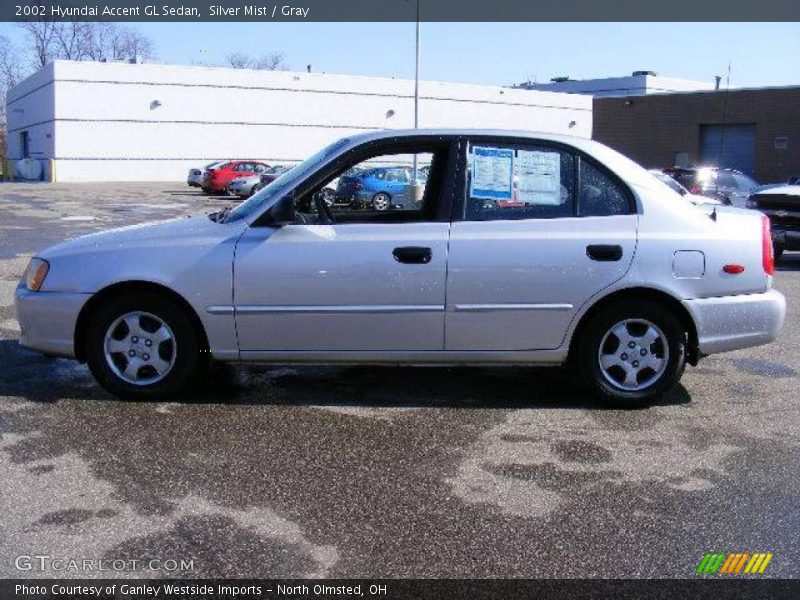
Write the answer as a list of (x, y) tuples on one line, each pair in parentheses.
[(379, 188)]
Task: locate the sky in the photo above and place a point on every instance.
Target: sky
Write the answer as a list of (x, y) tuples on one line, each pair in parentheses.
[(760, 54)]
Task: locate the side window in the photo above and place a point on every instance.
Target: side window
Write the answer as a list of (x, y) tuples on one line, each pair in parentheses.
[(519, 181), (743, 182), (368, 192), (725, 180), (600, 195)]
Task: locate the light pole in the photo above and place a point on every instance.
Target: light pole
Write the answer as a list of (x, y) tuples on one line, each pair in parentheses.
[(417, 192)]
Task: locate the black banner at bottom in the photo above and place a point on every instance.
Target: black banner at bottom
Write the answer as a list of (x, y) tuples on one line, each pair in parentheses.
[(391, 589)]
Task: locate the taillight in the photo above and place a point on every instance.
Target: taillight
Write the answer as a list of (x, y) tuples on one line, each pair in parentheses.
[(767, 257), (696, 190)]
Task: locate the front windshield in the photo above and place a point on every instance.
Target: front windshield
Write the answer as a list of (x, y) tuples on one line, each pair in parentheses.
[(261, 198)]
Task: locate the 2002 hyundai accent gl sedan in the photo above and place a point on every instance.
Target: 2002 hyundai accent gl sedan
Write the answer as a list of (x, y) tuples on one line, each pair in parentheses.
[(526, 249)]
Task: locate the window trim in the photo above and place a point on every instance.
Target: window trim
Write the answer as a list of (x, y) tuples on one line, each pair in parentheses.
[(578, 155)]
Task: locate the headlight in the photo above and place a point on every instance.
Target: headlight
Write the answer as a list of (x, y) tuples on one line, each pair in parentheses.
[(35, 273)]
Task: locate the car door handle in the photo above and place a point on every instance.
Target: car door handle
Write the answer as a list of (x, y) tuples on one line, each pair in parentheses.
[(415, 255), (604, 252)]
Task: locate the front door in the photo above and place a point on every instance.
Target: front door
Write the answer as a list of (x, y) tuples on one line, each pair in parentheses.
[(368, 282), (543, 229)]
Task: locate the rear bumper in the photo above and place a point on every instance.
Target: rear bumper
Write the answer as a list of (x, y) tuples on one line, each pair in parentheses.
[(733, 322), (47, 320)]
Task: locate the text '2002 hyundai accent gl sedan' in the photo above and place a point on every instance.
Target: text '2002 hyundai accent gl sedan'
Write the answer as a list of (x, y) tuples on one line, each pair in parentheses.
[(517, 248)]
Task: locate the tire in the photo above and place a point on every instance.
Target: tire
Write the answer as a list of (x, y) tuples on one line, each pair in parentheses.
[(599, 345), (381, 201), (180, 354), (207, 190), (777, 252), (254, 189)]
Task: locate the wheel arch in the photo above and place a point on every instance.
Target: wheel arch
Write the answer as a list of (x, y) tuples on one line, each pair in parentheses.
[(126, 287), (648, 294)]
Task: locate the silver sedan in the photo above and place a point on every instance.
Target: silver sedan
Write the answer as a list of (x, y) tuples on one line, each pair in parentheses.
[(524, 249), (244, 187)]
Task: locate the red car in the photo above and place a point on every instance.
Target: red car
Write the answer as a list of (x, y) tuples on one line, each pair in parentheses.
[(216, 179)]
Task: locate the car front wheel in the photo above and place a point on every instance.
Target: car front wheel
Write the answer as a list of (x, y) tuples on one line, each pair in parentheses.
[(630, 353), (143, 346)]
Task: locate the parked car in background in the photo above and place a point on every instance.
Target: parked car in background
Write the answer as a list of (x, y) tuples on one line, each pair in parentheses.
[(269, 175), (380, 188), (782, 205), (195, 177), (679, 189), (244, 186), (610, 275), (727, 185), (216, 178)]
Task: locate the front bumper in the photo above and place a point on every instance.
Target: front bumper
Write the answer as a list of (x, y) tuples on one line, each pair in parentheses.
[(733, 322), (786, 238), (47, 320)]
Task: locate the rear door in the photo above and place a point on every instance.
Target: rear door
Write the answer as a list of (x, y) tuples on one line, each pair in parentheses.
[(542, 229)]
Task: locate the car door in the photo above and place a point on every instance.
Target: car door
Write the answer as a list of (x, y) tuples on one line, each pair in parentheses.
[(543, 228), (373, 282)]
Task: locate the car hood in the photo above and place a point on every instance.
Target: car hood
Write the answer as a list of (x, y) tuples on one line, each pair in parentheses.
[(779, 190), (171, 231)]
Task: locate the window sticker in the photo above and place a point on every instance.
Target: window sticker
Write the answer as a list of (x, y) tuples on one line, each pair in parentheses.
[(539, 177), (492, 173)]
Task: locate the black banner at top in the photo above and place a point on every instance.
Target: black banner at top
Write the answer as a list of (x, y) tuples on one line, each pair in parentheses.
[(401, 10)]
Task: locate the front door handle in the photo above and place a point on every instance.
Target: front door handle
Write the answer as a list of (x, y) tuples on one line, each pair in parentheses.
[(604, 252), (412, 255)]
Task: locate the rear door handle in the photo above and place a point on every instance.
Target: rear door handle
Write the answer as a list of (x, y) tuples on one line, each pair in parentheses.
[(413, 255), (604, 252)]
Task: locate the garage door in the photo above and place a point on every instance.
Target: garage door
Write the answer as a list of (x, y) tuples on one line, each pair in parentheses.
[(731, 146)]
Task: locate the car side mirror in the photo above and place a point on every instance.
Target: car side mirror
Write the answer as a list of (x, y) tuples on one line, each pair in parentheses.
[(283, 211)]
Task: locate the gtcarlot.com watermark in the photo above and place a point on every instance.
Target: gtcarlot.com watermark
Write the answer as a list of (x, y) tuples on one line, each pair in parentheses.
[(60, 564)]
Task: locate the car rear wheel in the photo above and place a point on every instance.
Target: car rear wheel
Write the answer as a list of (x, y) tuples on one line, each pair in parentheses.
[(630, 353), (381, 201), (143, 346)]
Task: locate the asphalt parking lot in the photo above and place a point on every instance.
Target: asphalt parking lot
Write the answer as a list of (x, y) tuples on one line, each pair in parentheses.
[(384, 472)]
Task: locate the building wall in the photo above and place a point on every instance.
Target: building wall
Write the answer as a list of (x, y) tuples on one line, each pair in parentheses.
[(654, 129), (120, 122), (635, 85)]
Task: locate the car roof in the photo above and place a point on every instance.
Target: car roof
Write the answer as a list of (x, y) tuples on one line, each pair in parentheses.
[(622, 165)]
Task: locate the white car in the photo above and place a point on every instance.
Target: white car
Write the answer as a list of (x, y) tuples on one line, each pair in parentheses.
[(594, 263), (195, 177)]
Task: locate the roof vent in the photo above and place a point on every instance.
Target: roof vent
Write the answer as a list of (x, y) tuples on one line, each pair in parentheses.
[(642, 73), (559, 79)]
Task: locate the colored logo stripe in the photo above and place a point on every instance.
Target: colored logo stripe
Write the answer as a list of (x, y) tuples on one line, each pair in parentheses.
[(734, 562)]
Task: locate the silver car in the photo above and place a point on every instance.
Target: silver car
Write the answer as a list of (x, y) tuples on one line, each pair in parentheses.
[(195, 177), (244, 187), (526, 249)]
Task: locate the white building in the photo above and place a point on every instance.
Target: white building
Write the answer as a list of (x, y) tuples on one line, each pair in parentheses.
[(640, 83), (89, 121)]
